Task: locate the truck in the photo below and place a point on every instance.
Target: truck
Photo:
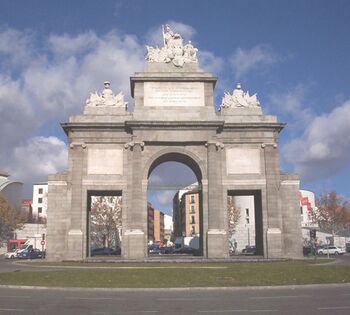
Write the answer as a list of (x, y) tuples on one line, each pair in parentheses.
[(24, 244), (187, 244)]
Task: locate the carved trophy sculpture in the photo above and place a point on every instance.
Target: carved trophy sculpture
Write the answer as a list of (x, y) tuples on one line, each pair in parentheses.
[(107, 98), (239, 99), (173, 50)]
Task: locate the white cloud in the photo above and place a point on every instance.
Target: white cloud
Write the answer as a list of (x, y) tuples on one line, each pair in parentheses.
[(209, 62), (244, 61), (291, 105), (165, 197), (324, 148), (38, 157), (51, 81)]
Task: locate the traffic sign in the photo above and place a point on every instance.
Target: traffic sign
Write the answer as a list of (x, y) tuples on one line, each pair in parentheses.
[(42, 242)]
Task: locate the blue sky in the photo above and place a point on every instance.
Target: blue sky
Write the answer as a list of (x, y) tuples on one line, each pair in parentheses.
[(293, 54)]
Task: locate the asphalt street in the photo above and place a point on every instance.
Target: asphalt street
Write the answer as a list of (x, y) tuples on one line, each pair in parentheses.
[(292, 300), (311, 299)]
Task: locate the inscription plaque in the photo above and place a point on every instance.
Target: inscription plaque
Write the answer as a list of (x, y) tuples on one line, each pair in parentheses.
[(243, 161), (173, 94), (105, 161)]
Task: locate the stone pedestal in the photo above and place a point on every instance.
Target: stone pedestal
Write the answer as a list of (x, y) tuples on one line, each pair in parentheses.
[(274, 243), (75, 245), (217, 243), (134, 242)]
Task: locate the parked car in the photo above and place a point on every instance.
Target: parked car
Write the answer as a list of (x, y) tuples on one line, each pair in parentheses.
[(105, 251), (331, 250), (249, 250), (154, 249), (12, 255), (30, 254)]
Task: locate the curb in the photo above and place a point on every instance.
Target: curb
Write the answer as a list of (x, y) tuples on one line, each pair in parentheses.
[(293, 287)]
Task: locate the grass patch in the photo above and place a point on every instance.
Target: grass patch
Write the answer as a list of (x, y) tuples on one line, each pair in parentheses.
[(185, 275)]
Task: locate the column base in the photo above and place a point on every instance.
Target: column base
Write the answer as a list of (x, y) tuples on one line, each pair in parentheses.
[(274, 243), (217, 244), (75, 245), (134, 244)]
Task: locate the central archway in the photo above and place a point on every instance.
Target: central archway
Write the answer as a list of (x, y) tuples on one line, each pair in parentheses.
[(178, 177)]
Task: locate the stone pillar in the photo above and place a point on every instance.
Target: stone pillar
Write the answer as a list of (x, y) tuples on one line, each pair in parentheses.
[(217, 236), (274, 215), (135, 234), (292, 237), (75, 233)]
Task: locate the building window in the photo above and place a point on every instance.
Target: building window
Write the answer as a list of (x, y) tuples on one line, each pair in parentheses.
[(247, 220), (192, 198), (192, 208), (247, 212), (40, 200), (193, 230), (40, 210), (192, 220), (40, 191)]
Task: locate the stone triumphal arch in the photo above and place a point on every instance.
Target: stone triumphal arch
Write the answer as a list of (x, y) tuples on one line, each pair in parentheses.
[(232, 151)]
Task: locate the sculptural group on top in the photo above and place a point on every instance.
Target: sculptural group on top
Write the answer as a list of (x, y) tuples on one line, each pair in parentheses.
[(107, 98), (238, 98), (173, 50)]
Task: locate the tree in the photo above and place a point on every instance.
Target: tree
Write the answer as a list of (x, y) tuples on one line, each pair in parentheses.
[(106, 221), (233, 215), (11, 219), (332, 212)]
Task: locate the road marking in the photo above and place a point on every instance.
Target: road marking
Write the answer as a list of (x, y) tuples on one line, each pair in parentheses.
[(238, 311), (16, 296), (12, 309), (181, 299), (137, 312), (279, 297), (334, 308), (95, 299)]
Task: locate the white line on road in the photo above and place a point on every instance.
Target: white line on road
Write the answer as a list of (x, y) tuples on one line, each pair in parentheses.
[(95, 299), (334, 308), (137, 312), (278, 297), (237, 311), (181, 299), (11, 309), (15, 297)]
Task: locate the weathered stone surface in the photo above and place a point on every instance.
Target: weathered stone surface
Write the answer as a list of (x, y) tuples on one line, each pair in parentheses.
[(234, 151)]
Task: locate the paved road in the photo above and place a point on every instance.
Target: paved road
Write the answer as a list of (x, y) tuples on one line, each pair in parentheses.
[(299, 300)]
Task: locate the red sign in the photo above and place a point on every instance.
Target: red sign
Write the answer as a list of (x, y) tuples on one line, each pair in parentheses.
[(304, 201), (42, 242)]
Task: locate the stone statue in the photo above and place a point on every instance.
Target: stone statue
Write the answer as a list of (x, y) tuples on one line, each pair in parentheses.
[(173, 50), (239, 99), (107, 98)]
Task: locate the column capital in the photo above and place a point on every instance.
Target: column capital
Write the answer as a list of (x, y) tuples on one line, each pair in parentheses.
[(218, 145), (74, 144), (270, 144), (130, 145)]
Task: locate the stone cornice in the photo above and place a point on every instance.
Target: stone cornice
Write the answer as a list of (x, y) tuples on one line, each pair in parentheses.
[(174, 124), (91, 125), (255, 125)]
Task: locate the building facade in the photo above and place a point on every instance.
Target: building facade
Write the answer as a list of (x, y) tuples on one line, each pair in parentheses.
[(155, 224), (39, 204), (233, 151)]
